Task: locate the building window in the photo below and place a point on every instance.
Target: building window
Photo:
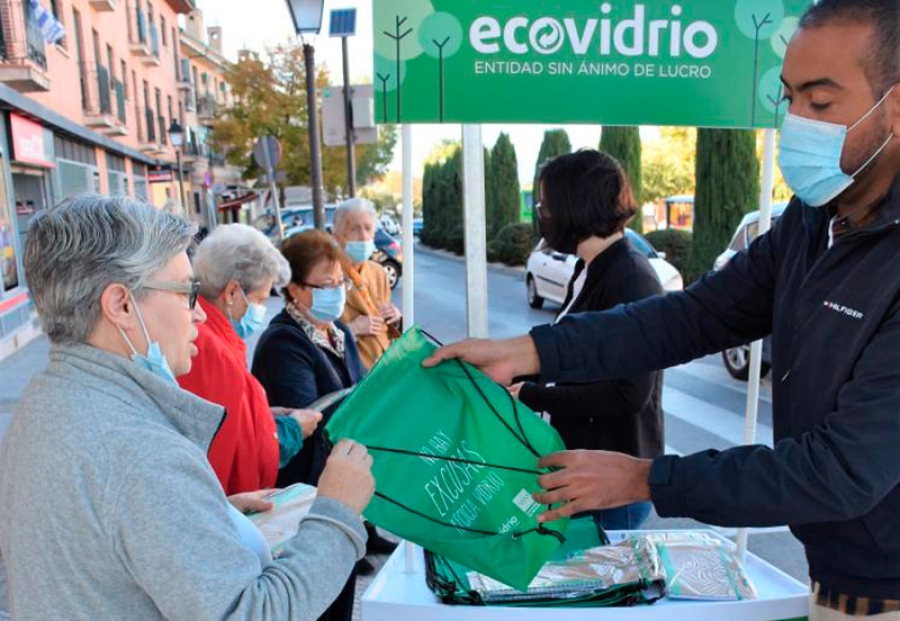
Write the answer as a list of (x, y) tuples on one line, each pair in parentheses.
[(56, 9), (164, 31), (9, 271), (125, 80)]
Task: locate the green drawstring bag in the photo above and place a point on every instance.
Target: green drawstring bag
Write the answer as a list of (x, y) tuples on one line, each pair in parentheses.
[(455, 461)]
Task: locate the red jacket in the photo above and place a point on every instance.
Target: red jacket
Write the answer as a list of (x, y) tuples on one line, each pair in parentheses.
[(244, 454)]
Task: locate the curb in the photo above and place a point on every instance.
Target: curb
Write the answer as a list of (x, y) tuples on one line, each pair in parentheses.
[(501, 268)]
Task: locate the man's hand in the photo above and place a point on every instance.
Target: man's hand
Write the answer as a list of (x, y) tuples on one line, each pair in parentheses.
[(500, 360), (365, 325), (253, 501), (591, 480), (390, 313), (347, 477)]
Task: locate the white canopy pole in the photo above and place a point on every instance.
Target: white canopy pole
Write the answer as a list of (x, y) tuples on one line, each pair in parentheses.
[(474, 225), (765, 223), (408, 238), (408, 274)]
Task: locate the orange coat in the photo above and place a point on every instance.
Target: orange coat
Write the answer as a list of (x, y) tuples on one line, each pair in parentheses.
[(374, 286)]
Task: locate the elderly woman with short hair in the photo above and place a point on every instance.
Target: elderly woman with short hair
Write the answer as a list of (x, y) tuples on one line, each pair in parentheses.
[(369, 312), (108, 506), (237, 267)]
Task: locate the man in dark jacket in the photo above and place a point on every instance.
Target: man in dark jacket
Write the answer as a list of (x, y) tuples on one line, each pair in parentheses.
[(825, 283)]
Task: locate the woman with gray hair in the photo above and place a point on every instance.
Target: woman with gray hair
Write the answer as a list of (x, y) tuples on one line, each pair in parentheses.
[(237, 267), (108, 507)]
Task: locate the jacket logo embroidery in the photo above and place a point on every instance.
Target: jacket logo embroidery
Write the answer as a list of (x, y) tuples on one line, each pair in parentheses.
[(840, 308)]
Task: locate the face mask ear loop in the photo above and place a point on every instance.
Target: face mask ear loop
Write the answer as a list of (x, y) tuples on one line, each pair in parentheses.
[(871, 110), (140, 317), (874, 156)]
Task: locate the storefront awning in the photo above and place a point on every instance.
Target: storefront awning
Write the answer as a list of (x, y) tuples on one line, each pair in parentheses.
[(237, 202)]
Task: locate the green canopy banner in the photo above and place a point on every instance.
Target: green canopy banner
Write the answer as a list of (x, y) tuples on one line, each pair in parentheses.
[(455, 461), (704, 63)]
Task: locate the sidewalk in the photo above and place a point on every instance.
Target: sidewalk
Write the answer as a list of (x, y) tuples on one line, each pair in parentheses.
[(15, 373)]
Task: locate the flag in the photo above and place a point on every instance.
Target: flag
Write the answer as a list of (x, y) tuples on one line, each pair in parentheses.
[(50, 27)]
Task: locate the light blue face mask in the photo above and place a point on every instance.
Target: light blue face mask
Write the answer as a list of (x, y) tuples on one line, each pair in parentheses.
[(252, 320), (328, 304), (360, 251), (810, 157), (154, 360)]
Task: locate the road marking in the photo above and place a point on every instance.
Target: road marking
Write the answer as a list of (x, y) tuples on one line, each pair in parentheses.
[(711, 418)]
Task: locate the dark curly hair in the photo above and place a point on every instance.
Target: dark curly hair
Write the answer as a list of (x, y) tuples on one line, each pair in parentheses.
[(883, 64)]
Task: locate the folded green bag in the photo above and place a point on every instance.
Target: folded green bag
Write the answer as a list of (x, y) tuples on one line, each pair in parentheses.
[(585, 572), (455, 461)]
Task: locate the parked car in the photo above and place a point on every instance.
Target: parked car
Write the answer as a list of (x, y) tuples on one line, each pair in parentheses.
[(293, 220), (418, 224), (389, 255), (737, 359), (389, 224), (548, 272)]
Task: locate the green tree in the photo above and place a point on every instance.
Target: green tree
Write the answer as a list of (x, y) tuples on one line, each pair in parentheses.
[(556, 142), (270, 98), (727, 188), (372, 161), (624, 144), (505, 177), (490, 195), (669, 164)]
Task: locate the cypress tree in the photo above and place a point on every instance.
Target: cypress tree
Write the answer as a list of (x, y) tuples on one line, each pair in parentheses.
[(727, 188), (556, 142), (490, 196), (624, 144), (507, 191)]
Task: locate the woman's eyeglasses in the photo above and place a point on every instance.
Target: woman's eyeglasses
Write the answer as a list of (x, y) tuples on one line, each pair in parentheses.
[(346, 284), (191, 289)]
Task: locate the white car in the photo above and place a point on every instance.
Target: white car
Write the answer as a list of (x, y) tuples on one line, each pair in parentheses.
[(389, 225), (548, 272), (746, 232), (737, 359)]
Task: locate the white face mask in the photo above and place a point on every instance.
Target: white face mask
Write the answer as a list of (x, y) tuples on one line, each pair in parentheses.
[(810, 157)]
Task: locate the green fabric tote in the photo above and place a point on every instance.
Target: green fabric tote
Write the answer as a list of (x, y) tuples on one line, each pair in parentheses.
[(455, 461)]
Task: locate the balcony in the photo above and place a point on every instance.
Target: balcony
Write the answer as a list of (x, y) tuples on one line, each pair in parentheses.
[(152, 59), (97, 89), (103, 5), (23, 65), (206, 109), (163, 131), (148, 138), (138, 34), (184, 75)]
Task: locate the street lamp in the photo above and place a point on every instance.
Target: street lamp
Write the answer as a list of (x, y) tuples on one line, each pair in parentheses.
[(176, 135), (307, 16)]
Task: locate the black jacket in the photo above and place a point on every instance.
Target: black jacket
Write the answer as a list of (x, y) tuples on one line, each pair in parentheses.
[(295, 372), (834, 316), (621, 415)]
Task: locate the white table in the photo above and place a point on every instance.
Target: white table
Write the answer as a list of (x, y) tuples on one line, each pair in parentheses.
[(395, 595)]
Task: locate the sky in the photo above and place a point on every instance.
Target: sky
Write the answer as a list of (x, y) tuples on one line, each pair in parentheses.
[(269, 23)]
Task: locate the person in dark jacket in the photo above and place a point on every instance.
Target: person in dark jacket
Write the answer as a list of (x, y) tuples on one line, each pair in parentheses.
[(306, 353), (825, 283), (585, 203)]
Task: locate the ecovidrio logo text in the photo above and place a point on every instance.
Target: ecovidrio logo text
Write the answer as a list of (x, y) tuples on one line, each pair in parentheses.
[(612, 32)]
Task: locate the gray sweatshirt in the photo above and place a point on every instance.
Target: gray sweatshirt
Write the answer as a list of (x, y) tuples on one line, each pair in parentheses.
[(109, 509)]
